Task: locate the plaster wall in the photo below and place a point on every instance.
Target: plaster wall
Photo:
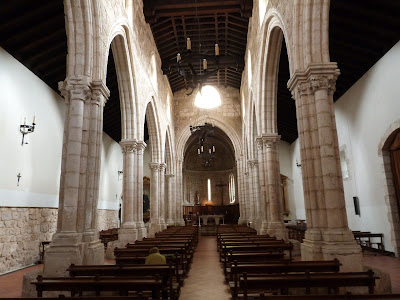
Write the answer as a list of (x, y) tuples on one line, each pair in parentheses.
[(29, 210)]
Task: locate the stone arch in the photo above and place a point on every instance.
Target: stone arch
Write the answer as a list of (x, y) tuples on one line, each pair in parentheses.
[(230, 132), (169, 153), (253, 131), (270, 56), (154, 131), (80, 54), (119, 44), (390, 192)]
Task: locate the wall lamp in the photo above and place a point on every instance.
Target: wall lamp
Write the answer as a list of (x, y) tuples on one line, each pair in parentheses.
[(26, 128)]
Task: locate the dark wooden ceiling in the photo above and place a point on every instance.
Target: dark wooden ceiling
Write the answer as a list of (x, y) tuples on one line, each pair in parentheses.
[(361, 32), (206, 23)]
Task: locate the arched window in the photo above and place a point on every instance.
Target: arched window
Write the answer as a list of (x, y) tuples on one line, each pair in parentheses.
[(232, 193)]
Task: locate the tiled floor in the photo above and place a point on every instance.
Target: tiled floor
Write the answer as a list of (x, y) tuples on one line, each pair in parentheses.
[(205, 280)]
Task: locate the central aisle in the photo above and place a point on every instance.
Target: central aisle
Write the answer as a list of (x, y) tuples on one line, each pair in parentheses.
[(205, 280)]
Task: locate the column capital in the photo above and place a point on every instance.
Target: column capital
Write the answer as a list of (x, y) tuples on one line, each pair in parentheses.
[(128, 146), (163, 166), (100, 92), (75, 87), (154, 166), (252, 163), (270, 140), (141, 145), (259, 142), (315, 77)]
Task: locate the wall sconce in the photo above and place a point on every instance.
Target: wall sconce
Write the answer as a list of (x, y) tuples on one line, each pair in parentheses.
[(120, 173), (25, 129), (297, 164)]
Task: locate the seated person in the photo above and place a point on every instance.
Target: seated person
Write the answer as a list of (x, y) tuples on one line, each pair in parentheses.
[(155, 258)]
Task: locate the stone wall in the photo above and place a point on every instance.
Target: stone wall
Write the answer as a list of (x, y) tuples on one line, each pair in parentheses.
[(106, 219), (21, 231)]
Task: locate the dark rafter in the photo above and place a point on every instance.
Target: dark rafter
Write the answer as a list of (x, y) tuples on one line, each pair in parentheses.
[(360, 33)]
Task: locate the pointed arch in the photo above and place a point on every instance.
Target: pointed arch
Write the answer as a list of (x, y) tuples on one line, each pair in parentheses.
[(154, 131), (169, 153)]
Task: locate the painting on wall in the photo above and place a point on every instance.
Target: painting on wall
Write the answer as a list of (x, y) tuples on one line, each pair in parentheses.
[(146, 199)]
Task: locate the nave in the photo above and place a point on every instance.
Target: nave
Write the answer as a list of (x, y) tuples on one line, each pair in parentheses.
[(205, 279)]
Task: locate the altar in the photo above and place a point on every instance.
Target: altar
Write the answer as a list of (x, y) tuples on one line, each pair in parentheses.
[(217, 219)]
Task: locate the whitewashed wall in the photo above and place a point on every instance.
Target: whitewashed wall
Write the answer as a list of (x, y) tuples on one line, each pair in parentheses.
[(39, 161), (363, 115)]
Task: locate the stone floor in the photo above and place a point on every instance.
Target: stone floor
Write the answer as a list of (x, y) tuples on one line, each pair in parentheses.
[(205, 280)]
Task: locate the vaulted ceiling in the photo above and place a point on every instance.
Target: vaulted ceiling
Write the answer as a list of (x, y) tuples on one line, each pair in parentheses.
[(361, 32)]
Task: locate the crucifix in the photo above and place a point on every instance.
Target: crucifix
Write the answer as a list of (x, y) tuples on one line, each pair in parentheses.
[(221, 186)]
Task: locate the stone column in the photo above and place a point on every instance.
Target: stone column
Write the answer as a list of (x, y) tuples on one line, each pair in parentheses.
[(138, 196), (179, 221), (263, 202), (162, 199), (155, 225), (169, 179), (249, 197), (65, 247), (242, 199), (276, 226), (93, 248), (327, 235), (252, 194), (255, 187), (128, 231)]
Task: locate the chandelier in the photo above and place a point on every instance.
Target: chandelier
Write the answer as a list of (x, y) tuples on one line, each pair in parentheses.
[(205, 151), (196, 67)]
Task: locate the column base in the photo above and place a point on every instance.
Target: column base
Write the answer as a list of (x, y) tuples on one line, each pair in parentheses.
[(263, 228), (242, 221), (278, 229), (64, 250), (170, 222), (154, 227), (180, 222), (93, 253), (330, 244), (142, 231), (127, 235)]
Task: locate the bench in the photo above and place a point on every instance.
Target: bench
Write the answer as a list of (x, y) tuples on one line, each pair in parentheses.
[(248, 257), (167, 272), (332, 281), (98, 284), (278, 267), (277, 246)]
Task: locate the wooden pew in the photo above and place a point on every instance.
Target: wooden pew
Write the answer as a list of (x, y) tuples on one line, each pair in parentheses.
[(277, 246), (275, 267), (168, 272), (347, 296), (98, 284), (248, 257), (332, 281)]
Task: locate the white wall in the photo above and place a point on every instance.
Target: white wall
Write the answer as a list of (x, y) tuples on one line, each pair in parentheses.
[(285, 163), (39, 161), (363, 115)]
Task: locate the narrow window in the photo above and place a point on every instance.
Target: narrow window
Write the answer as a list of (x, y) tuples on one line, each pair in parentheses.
[(209, 189)]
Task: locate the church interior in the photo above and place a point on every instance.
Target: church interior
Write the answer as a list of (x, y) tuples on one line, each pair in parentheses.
[(256, 143)]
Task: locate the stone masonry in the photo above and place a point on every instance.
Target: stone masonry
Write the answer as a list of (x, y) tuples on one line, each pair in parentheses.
[(21, 231)]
